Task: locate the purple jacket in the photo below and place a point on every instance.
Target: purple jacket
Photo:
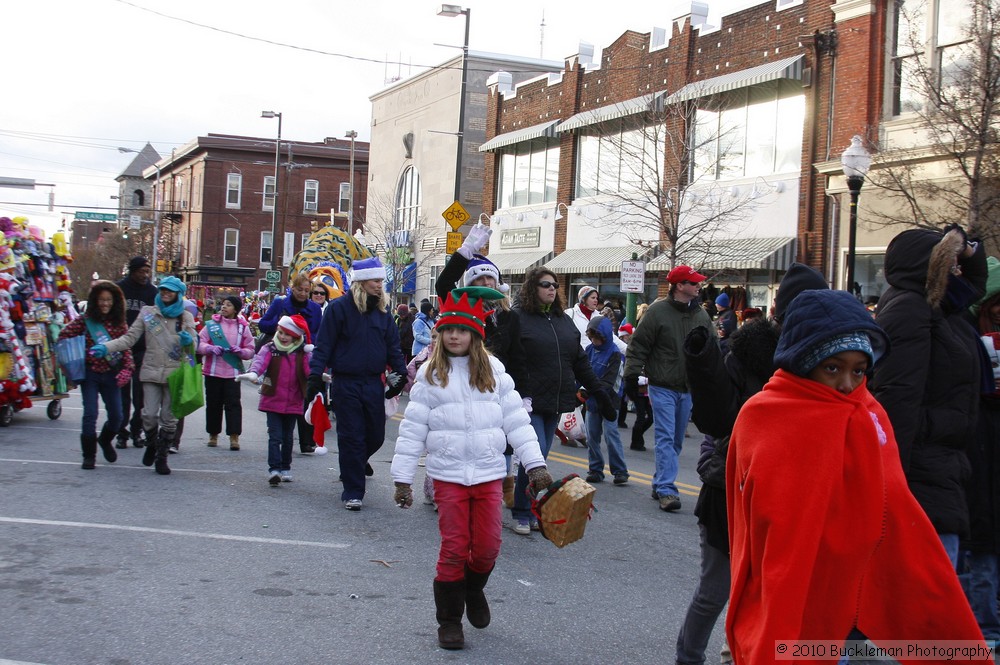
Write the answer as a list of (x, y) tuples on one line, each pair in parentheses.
[(237, 332), (288, 396)]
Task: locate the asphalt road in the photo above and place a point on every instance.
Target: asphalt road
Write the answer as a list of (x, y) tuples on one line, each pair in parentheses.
[(212, 565)]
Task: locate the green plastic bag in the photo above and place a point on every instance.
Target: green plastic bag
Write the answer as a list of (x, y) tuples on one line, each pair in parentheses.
[(187, 390)]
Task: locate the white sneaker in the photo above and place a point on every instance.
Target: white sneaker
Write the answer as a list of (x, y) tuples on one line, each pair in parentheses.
[(353, 504), (286, 476), (174, 449), (274, 477), (522, 528)]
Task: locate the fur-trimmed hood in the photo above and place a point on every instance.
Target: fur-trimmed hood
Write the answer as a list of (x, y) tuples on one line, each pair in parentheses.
[(920, 260)]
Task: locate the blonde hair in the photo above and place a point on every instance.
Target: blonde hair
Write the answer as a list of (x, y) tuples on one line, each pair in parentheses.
[(480, 371), (639, 311), (361, 298), (300, 279)]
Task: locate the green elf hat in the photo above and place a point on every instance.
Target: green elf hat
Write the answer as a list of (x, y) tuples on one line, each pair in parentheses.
[(464, 308)]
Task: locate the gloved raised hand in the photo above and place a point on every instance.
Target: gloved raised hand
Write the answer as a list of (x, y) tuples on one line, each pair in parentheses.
[(394, 383), (185, 338), (314, 386), (98, 351), (632, 387), (696, 340), (478, 236), (403, 496), (123, 377), (252, 377), (606, 406), (539, 479)]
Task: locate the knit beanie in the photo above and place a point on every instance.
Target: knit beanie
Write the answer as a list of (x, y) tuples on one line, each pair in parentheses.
[(722, 300), (584, 293), (136, 263), (481, 266), (236, 301), (852, 341), (799, 278)]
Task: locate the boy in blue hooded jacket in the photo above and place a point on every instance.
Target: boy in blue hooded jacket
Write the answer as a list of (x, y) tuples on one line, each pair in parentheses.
[(606, 361)]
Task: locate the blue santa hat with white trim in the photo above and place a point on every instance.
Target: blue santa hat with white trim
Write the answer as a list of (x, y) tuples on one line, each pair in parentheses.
[(481, 266), (363, 269)]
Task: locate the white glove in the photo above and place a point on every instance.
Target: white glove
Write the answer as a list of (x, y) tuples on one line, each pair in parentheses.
[(643, 381), (526, 402), (393, 379), (252, 377), (478, 236), (327, 378)]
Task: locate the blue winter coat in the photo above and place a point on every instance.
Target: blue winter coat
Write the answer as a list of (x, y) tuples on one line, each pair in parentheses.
[(311, 312), (356, 345), (422, 327)]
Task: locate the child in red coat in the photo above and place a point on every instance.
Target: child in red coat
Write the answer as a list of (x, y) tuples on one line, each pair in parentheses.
[(826, 538)]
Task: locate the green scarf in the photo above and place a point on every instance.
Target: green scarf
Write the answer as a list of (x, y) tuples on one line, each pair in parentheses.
[(286, 348)]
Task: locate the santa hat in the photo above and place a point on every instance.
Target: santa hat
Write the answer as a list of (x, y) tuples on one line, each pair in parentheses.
[(297, 327), (464, 308), (317, 416), (481, 266), (364, 269)]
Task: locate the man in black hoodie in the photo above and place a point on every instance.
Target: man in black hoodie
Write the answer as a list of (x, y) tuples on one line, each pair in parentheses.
[(139, 292)]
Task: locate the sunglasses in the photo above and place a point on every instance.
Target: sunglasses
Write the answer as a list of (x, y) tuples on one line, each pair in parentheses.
[(319, 293), (689, 283), (549, 285)]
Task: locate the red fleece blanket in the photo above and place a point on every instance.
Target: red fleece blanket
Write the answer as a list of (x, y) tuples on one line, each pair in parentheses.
[(824, 531)]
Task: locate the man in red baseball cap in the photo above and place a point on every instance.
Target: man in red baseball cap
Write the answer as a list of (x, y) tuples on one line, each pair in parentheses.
[(656, 350)]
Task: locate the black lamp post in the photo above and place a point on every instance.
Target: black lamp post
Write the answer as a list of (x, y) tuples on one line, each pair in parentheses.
[(855, 161), (456, 10)]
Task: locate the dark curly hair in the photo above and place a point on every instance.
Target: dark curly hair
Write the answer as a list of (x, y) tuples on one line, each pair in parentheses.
[(117, 313), (529, 291)]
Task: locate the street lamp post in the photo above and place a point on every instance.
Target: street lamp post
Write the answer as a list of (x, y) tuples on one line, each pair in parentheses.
[(350, 207), (157, 197), (456, 10), (855, 161), (274, 208)]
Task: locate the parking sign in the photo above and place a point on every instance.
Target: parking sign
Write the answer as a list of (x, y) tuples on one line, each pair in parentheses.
[(633, 276)]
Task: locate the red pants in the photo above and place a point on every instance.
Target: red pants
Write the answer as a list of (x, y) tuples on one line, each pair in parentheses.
[(470, 521)]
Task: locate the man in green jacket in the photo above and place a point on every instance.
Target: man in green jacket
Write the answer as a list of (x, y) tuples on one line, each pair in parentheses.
[(656, 351)]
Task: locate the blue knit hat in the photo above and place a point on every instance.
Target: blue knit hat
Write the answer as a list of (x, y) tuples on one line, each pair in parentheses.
[(481, 266), (852, 341), (365, 269), (173, 284), (722, 300)]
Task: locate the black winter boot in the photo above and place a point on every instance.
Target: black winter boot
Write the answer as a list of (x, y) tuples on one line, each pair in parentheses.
[(149, 454), (449, 598), (88, 444), (104, 440), (476, 607), (163, 443)]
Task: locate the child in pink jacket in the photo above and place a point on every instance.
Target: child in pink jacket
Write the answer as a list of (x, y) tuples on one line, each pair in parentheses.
[(281, 367), (225, 342)]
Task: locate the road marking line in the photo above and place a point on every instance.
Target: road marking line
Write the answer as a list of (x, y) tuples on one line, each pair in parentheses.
[(118, 466), (641, 478), (174, 532), (57, 429)]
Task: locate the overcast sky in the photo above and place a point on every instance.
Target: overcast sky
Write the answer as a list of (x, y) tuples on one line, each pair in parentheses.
[(82, 77)]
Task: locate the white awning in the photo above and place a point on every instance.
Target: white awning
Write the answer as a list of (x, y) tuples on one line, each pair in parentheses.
[(733, 254), (518, 262), (593, 260), (546, 129), (789, 68), (653, 102)]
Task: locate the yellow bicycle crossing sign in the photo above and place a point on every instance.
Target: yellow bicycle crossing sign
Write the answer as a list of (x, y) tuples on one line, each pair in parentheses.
[(455, 215)]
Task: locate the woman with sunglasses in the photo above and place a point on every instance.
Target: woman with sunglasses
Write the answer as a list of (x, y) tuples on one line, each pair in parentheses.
[(558, 365), (319, 294)]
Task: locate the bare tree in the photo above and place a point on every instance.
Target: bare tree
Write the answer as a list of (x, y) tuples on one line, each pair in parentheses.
[(393, 244), (952, 91), (107, 258), (664, 182)]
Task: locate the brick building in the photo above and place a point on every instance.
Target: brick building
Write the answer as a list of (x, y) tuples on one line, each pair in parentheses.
[(217, 205), (736, 127)]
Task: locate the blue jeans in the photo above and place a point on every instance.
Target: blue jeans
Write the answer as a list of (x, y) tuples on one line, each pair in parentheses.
[(980, 581), (101, 384), (950, 542), (710, 597), (280, 435), (616, 456), (544, 425), (671, 412)]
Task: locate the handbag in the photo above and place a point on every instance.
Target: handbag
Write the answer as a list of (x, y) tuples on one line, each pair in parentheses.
[(71, 353), (187, 388), (571, 426)]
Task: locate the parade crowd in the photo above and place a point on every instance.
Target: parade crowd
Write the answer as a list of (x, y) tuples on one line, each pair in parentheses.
[(849, 461)]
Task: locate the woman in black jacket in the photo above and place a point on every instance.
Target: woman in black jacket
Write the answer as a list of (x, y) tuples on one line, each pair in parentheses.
[(558, 366), (931, 381)]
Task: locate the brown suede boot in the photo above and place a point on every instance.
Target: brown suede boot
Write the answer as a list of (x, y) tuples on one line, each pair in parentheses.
[(213, 440), (508, 491), (449, 598), (234, 441), (476, 607)]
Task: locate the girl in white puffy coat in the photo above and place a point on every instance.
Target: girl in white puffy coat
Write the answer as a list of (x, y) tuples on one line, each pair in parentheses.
[(463, 410)]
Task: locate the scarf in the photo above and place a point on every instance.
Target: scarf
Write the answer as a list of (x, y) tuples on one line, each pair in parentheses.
[(170, 311), (286, 348), (587, 312)]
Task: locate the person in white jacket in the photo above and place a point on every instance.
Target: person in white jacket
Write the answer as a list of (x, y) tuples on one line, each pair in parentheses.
[(463, 410)]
